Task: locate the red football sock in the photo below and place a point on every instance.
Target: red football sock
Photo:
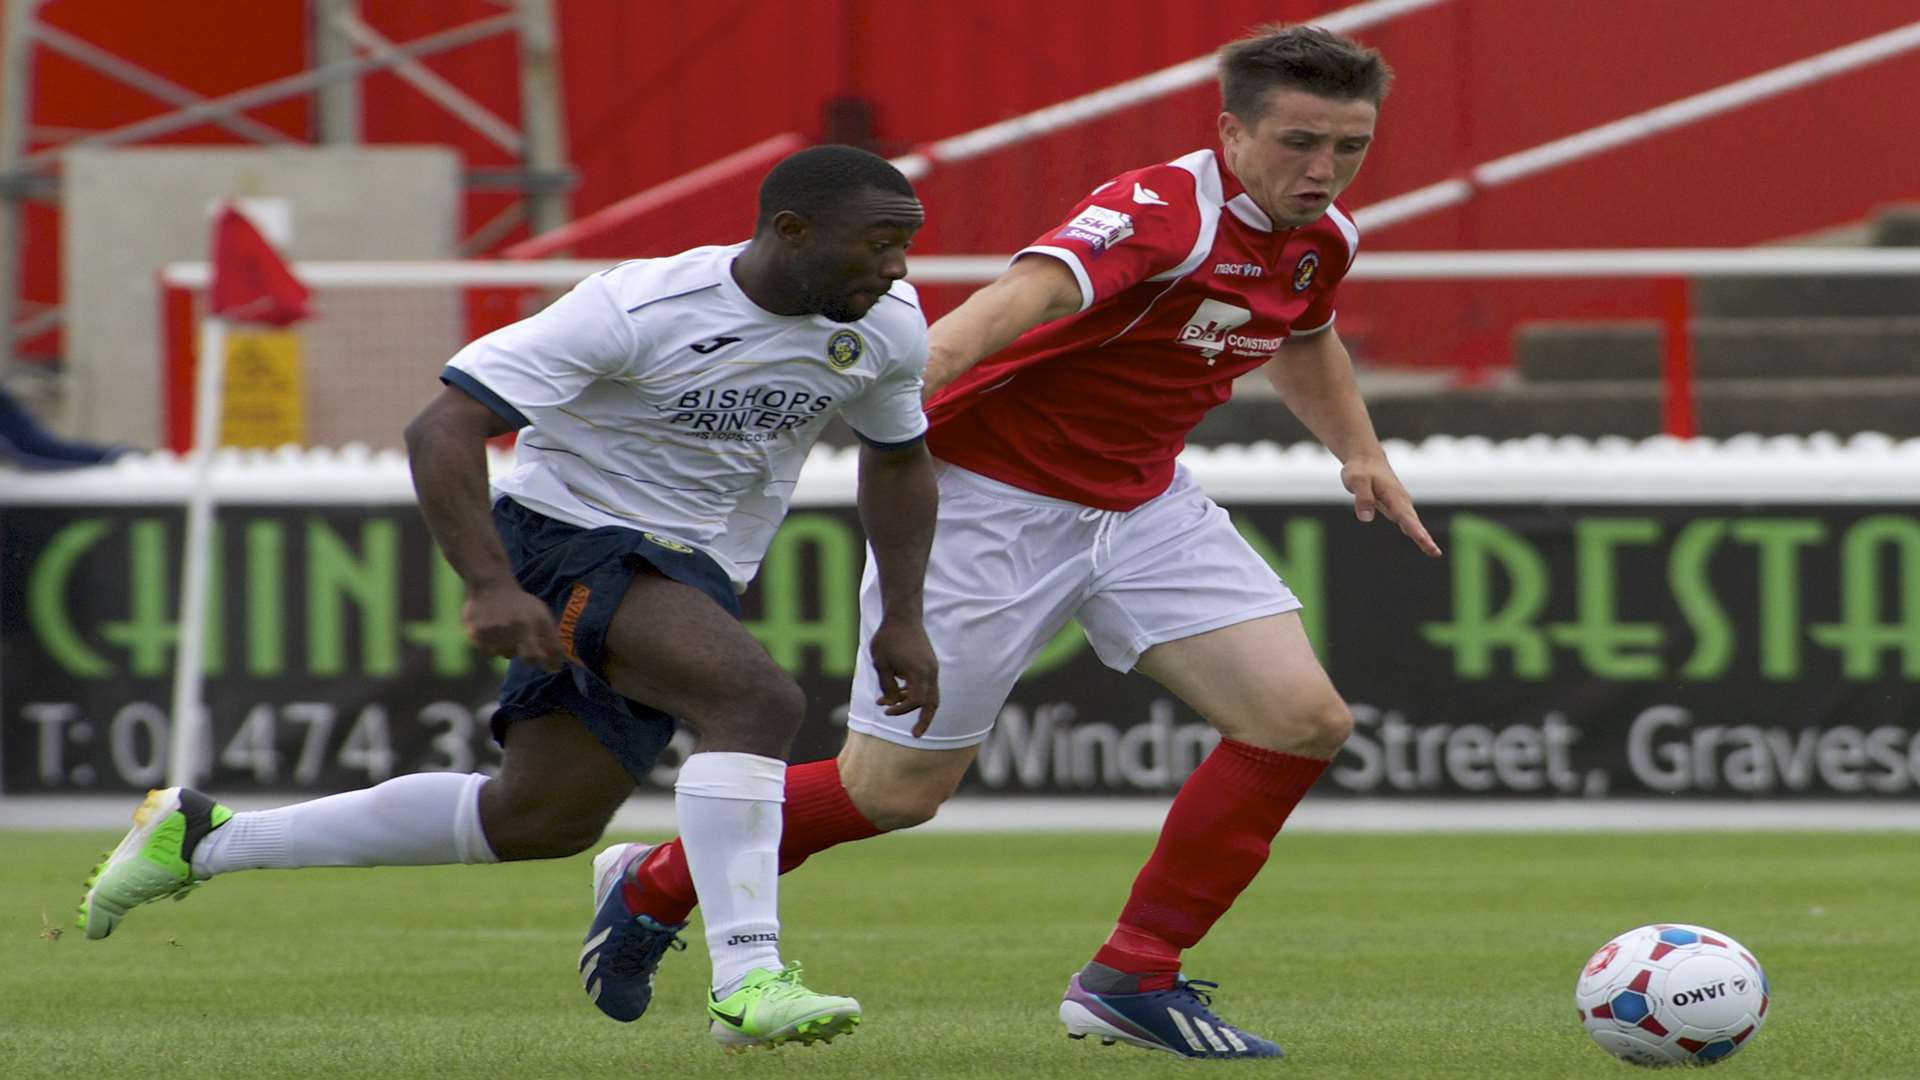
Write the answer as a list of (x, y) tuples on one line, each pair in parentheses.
[(1214, 841), (817, 815)]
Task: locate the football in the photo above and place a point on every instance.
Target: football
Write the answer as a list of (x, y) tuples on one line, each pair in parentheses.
[(1672, 994)]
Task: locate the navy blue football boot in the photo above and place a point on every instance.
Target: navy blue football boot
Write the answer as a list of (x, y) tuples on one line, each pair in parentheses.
[(623, 950)]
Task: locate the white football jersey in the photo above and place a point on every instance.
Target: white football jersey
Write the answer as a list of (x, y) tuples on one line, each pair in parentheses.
[(656, 396)]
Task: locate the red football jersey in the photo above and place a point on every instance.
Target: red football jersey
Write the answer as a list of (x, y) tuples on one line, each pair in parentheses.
[(1185, 285)]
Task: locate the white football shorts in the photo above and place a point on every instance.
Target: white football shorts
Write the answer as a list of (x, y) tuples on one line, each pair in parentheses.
[(1010, 567)]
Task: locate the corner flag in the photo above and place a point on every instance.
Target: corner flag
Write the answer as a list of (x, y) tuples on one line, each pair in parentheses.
[(251, 282)]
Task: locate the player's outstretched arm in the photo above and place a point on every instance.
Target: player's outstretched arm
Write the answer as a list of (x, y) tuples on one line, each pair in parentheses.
[(1314, 376), (1035, 289), (447, 452), (898, 502)]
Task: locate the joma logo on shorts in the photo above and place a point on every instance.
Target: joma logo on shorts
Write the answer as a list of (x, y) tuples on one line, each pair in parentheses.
[(753, 939), (1704, 993)]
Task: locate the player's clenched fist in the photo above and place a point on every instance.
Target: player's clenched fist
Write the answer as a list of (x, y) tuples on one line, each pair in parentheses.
[(506, 620)]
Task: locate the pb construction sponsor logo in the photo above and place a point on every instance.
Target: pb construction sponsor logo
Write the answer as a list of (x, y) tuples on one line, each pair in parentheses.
[(1212, 321), (1211, 331)]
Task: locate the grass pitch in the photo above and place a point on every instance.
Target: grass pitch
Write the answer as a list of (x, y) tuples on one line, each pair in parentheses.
[(1366, 956)]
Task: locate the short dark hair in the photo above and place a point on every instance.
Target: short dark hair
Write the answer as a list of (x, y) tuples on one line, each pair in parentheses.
[(1305, 58), (812, 182)]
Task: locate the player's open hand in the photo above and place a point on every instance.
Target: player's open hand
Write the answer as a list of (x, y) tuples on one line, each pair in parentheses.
[(909, 672), (1376, 489), (507, 620)]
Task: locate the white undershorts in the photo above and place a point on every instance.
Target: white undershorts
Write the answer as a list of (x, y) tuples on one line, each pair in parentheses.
[(1010, 567)]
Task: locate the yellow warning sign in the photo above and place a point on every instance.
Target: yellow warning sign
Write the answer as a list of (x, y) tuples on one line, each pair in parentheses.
[(264, 400)]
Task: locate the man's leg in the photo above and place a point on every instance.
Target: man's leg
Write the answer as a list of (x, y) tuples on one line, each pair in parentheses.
[(1259, 684), (556, 791), (671, 646), (988, 616), (873, 786)]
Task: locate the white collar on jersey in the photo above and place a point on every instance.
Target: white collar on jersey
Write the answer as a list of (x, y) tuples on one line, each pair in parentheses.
[(1247, 210), (1213, 177)]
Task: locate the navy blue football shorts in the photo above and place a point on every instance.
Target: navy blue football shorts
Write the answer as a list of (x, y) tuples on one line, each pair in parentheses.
[(582, 574)]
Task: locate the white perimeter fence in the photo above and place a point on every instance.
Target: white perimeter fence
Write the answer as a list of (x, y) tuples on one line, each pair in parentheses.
[(1675, 269)]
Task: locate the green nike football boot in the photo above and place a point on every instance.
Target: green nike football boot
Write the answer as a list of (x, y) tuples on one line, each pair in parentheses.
[(154, 861), (771, 1008)]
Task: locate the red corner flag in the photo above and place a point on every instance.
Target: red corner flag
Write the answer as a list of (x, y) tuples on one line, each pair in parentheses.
[(251, 282)]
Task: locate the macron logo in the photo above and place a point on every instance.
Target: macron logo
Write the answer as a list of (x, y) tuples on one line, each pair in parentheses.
[(1147, 196)]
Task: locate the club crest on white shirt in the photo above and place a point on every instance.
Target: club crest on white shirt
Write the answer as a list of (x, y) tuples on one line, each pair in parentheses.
[(844, 349)]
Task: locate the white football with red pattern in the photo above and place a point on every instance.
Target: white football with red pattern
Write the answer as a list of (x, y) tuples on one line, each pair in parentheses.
[(1670, 994)]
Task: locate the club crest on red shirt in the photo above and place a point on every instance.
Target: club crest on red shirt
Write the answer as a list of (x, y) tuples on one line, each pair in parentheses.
[(1304, 270)]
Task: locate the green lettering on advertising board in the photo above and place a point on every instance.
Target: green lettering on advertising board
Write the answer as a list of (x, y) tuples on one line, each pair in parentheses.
[(1714, 640), (1778, 541), (1501, 590), (266, 593), (442, 634), (149, 631), (336, 577), (47, 599), (1481, 550), (783, 627), (1860, 636), (1606, 645)]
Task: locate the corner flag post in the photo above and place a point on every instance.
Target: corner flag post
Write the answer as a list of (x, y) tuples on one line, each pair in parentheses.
[(251, 283)]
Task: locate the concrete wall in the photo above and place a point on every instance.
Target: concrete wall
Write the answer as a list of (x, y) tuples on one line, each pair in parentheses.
[(128, 211)]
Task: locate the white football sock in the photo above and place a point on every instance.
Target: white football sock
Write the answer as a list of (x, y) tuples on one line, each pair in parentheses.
[(417, 820), (728, 807)]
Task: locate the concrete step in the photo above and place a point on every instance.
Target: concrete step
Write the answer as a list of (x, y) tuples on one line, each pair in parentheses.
[(1516, 409), (1722, 349), (1897, 226), (1809, 295)]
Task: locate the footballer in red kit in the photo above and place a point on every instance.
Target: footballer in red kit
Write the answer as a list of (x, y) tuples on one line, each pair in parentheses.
[(1185, 285), (1061, 395)]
